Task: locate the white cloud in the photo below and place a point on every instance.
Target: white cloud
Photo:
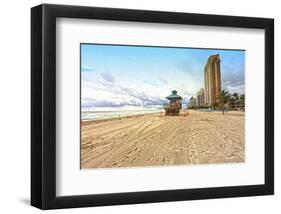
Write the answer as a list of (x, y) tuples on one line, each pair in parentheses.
[(107, 76)]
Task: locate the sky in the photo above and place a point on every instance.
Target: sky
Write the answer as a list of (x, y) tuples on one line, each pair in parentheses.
[(136, 77)]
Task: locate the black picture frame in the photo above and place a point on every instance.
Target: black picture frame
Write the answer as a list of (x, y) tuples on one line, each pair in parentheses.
[(43, 106)]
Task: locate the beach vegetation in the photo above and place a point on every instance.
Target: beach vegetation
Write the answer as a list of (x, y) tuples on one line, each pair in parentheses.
[(224, 99)]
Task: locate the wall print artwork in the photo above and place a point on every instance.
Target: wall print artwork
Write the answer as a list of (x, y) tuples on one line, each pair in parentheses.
[(139, 106), (156, 106)]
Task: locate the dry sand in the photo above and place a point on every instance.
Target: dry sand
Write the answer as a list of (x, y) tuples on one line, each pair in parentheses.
[(151, 140)]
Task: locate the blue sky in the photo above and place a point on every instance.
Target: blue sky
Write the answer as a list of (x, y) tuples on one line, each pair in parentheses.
[(114, 76)]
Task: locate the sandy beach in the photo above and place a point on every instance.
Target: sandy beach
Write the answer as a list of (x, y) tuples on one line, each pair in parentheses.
[(154, 140)]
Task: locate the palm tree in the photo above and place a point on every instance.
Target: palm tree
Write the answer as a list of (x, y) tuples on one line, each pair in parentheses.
[(235, 98), (232, 101), (224, 97)]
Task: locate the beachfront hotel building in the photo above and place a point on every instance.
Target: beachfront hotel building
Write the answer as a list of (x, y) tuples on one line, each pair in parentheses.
[(200, 98), (212, 79)]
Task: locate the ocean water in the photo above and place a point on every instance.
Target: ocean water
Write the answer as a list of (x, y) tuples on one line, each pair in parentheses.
[(100, 115)]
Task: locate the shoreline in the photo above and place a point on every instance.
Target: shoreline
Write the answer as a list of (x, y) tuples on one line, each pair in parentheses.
[(120, 118), (84, 122)]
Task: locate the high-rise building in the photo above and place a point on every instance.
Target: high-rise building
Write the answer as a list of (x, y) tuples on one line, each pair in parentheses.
[(212, 78), (192, 102), (200, 99)]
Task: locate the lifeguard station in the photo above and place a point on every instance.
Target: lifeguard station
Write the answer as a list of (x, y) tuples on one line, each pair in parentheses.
[(175, 105)]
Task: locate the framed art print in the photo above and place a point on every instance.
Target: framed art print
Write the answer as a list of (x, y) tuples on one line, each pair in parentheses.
[(134, 106)]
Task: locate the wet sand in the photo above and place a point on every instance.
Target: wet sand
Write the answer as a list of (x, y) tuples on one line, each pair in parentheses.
[(154, 140)]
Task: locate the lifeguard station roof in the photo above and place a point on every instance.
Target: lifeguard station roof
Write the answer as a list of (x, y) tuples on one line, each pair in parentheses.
[(174, 96)]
